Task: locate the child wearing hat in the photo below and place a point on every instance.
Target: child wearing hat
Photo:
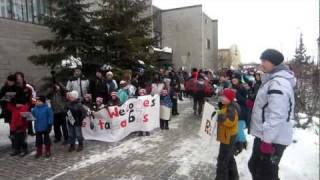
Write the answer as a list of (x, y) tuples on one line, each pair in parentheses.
[(43, 124), (98, 104), (226, 135), (75, 116), (123, 92), (166, 103), (114, 100)]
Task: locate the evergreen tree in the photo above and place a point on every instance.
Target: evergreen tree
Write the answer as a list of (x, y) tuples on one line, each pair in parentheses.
[(72, 32), (125, 32), (307, 91)]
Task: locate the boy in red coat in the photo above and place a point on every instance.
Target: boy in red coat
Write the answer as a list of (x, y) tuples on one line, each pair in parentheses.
[(18, 129)]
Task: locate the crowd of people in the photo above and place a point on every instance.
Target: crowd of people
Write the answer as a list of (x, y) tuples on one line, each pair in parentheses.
[(242, 96)]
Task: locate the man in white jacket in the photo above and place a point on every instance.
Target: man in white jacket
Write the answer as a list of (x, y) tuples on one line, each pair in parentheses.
[(78, 83), (272, 117)]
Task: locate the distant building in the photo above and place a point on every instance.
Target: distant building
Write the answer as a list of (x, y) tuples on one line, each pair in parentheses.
[(229, 58), (191, 34), (20, 26)]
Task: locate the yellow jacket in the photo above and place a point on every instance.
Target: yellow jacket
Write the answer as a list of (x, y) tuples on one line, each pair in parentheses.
[(227, 123)]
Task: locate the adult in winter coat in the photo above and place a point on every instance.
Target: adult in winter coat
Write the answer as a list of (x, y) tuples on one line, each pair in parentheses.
[(199, 85), (78, 83), (241, 95), (26, 96), (59, 107), (111, 84), (7, 94), (98, 87), (157, 85), (271, 117)]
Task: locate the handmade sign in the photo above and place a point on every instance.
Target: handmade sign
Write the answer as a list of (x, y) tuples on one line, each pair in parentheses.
[(209, 121), (115, 123)]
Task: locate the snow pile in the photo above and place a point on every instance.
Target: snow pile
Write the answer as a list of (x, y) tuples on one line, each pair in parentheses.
[(192, 152), (300, 159)]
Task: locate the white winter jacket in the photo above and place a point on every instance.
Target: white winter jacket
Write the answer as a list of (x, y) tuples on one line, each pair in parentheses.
[(81, 85), (273, 110)]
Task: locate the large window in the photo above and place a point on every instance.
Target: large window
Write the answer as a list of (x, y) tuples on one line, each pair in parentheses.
[(24, 10)]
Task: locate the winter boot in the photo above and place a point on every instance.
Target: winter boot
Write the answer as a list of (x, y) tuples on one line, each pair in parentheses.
[(39, 152), (48, 150), (80, 147), (15, 152), (71, 148), (24, 153)]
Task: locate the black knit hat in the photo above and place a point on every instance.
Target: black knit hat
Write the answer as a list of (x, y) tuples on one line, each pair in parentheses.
[(272, 55), (11, 78), (42, 98)]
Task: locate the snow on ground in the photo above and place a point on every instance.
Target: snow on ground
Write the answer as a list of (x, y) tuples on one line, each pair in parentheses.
[(4, 133), (300, 160), (192, 152)]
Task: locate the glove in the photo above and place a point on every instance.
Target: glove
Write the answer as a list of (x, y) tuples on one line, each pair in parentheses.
[(49, 128), (266, 148)]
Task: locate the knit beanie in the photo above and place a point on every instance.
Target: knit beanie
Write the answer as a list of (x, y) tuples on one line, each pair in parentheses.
[(272, 55), (229, 93), (11, 78), (41, 98), (142, 92), (74, 94)]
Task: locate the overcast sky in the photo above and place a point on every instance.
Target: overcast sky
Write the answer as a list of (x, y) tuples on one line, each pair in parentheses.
[(255, 25)]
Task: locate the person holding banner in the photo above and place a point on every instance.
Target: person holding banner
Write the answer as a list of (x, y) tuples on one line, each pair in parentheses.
[(226, 134), (143, 92), (165, 109), (114, 101)]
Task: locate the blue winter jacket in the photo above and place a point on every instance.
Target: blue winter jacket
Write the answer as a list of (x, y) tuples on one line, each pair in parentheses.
[(44, 117), (241, 136), (166, 101)]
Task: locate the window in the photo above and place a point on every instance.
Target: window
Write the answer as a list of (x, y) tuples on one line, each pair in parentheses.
[(208, 44), (24, 10)]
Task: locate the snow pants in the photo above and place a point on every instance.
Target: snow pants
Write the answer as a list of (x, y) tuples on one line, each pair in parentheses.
[(264, 166)]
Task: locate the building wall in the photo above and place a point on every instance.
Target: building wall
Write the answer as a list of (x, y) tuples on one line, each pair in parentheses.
[(210, 37), (181, 31), (16, 45)]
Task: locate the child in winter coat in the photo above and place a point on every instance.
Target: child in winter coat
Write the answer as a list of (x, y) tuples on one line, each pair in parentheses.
[(123, 93), (43, 124), (114, 101), (226, 134), (18, 128), (75, 115), (165, 102), (143, 92), (98, 104)]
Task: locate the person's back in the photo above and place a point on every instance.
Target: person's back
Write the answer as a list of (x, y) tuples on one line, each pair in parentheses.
[(43, 117)]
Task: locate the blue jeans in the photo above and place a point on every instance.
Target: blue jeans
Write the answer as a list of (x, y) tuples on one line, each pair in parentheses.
[(75, 132)]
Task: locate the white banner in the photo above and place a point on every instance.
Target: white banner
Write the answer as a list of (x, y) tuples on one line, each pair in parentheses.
[(209, 121), (115, 123), (165, 113)]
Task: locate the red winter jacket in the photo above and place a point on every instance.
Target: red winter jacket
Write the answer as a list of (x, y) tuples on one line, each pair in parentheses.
[(18, 123)]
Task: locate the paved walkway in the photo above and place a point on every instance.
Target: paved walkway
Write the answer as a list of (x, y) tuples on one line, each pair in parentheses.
[(178, 153)]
